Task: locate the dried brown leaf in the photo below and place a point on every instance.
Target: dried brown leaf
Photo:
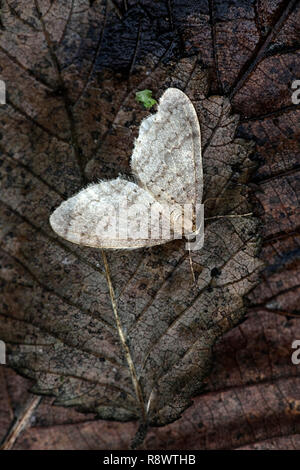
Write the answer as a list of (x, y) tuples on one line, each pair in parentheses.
[(74, 123)]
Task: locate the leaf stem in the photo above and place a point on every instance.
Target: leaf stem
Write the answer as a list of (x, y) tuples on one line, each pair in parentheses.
[(229, 215), (20, 422), (134, 378)]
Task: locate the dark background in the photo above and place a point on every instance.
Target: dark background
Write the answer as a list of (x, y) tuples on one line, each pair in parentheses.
[(251, 49)]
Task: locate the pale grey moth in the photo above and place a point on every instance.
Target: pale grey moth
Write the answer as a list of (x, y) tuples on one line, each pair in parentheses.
[(161, 205)]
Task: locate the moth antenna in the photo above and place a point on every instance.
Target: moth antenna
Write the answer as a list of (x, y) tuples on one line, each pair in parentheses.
[(150, 401), (191, 265), (228, 216)]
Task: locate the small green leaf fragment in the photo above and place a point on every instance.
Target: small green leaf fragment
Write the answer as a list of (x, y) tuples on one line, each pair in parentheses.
[(145, 97)]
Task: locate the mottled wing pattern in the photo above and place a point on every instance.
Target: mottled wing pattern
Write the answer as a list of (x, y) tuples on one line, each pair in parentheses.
[(166, 160), (111, 214)]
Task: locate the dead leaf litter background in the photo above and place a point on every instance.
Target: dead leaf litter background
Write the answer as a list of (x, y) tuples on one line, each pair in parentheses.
[(72, 69)]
